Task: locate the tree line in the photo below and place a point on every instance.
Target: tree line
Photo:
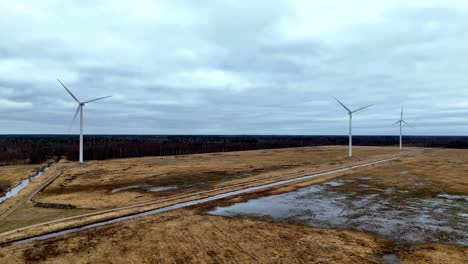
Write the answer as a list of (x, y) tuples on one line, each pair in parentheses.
[(32, 149)]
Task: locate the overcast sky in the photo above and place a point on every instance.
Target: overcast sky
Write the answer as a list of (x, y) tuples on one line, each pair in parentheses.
[(234, 67)]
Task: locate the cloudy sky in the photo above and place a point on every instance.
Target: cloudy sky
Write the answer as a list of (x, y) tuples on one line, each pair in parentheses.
[(234, 67)]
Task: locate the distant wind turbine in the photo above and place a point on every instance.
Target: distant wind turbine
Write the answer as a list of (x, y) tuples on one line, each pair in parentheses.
[(401, 121), (350, 113), (80, 109)]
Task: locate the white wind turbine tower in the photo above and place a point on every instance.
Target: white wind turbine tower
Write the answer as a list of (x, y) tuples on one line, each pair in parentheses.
[(350, 113), (80, 109), (401, 121)]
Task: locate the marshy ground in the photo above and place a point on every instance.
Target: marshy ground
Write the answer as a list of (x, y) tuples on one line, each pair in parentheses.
[(394, 214), (105, 184), (11, 175), (101, 185), (191, 235)]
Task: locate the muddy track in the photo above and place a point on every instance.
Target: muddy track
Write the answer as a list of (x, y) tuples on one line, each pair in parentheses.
[(196, 198)]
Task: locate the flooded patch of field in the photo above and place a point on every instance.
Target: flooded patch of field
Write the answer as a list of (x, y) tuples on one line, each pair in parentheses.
[(385, 212), (391, 259), (162, 188), (15, 191), (125, 188), (145, 188), (453, 197)]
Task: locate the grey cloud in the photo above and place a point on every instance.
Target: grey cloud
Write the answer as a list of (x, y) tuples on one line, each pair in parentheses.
[(224, 67)]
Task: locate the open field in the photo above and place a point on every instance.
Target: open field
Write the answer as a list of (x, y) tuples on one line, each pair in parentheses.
[(189, 235), (315, 160), (27, 214), (185, 236), (398, 215), (11, 175), (422, 199), (112, 183), (426, 175), (441, 171), (22, 197)]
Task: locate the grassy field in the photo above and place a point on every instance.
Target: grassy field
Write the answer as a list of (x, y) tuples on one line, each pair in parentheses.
[(27, 215), (111, 183), (11, 175), (437, 171), (185, 236), (90, 186), (441, 171), (190, 236)]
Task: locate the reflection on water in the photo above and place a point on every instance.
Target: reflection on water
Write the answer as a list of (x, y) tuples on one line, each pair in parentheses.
[(145, 188), (14, 191), (404, 219), (391, 259)]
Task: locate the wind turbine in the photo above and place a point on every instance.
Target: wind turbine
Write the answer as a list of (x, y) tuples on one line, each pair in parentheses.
[(350, 113), (80, 110), (401, 121)]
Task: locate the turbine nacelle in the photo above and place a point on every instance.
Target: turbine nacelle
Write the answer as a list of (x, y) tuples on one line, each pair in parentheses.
[(401, 121)]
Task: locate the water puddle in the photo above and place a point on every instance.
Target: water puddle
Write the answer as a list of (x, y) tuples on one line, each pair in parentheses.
[(453, 197), (162, 189), (145, 188), (441, 219), (391, 259), (335, 183), (126, 188), (18, 188)]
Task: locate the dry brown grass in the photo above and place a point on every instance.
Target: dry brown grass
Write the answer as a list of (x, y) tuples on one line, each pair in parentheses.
[(29, 190), (433, 253), (20, 219), (11, 175), (187, 237), (91, 185), (439, 171), (27, 215), (425, 176)]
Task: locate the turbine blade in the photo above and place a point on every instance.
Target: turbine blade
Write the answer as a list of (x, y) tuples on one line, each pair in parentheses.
[(401, 112), (74, 97), (97, 99), (396, 122), (362, 108), (347, 109), (74, 117)]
